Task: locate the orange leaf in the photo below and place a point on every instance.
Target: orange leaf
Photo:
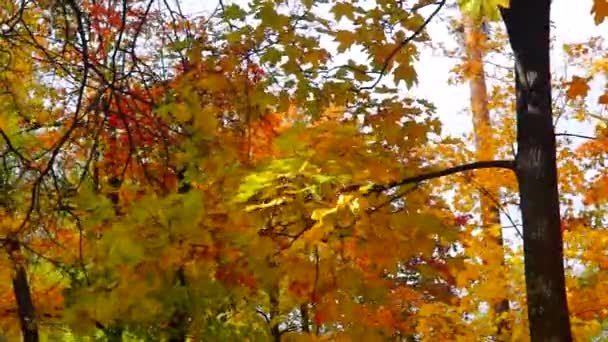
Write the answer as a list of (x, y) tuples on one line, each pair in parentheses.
[(600, 11), (577, 87)]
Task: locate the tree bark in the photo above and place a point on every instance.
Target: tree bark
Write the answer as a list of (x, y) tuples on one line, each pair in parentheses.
[(528, 26), (275, 331), (305, 318), (474, 38), (23, 296)]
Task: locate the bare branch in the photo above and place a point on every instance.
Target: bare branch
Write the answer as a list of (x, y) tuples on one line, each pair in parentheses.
[(575, 136), (503, 164)]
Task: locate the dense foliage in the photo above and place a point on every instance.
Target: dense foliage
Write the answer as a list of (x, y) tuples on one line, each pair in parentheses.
[(263, 171)]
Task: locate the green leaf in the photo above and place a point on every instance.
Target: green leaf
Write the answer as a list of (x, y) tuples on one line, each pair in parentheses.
[(272, 56), (180, 45), (265, 178), (483, 9), (234, 12), (322, 178)]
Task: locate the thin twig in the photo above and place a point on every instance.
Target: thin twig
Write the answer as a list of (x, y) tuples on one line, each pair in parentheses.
[(403, 43)]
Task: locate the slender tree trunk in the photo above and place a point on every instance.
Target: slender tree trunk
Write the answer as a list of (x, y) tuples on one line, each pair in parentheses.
[(275, 330), (23, 296), (178, 325), (490, 212), (305, 318), (528, 26)]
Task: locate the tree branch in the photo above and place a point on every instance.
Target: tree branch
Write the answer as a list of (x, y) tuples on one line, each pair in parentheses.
[(12, 148), (499, 206), (503, 164), (403, 43), (575, 136)]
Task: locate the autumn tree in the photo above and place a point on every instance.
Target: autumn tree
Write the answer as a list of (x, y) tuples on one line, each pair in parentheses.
[(475, 47)]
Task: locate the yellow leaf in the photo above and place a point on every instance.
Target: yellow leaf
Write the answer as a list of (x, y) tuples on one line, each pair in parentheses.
[(4, 122), (333, 112), (483, 8), (344, 200), (314, 234), (599, 65), (318, 214)]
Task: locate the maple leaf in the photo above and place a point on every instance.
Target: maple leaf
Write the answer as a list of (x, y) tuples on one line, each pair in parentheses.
[(345, 39), (343, 9), (599, 10), (577, 87), (405, 73)]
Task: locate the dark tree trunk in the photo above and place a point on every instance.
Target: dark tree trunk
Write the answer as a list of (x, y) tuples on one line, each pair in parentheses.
[(27, 316), (23, 296), (178, 325), (528, 26), (305, 318), (275, 330)]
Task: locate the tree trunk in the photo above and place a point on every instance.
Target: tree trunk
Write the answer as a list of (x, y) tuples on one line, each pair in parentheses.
[(485, 150), (275, 331), (178, 325), (305, 318), (528, 26), (23, 296)]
